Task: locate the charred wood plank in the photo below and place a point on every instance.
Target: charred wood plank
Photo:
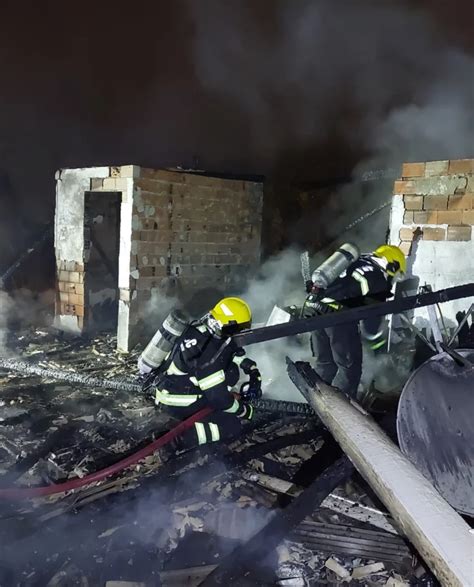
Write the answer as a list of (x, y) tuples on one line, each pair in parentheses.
[(438, 533), (241, 563), (353, 315)]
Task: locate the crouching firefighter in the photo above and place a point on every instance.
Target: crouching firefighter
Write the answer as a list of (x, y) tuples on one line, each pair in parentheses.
[(201, 369), (347, 280)]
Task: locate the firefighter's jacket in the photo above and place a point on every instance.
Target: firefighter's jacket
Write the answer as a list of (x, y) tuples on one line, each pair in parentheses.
[(195, 377), (364, 282)]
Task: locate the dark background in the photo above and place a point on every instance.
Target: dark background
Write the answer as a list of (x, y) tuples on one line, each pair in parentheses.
[(296, 91)]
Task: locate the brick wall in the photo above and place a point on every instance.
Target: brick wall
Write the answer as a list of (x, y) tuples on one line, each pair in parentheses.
[(179, 233), (70, 292), (438, 201), (432, 220), (190, 232)]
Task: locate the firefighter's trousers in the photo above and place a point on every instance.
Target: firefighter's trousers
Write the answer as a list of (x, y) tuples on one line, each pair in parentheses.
[(338, 356), (217, 426)]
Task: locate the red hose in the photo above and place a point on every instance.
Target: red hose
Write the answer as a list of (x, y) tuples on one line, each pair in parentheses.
[(13, 493)]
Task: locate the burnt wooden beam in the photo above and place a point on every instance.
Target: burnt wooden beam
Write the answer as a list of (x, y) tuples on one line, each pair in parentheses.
[(244, 564), (434, 528), (353, 315)]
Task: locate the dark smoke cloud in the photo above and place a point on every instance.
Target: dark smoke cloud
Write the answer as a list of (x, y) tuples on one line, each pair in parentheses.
[(367, 86), (299, 90)]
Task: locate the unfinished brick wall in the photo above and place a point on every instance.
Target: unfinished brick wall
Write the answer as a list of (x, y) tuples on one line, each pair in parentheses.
[(190, 232), (432, 221), (70, 298), (179, 233), (438, 201)]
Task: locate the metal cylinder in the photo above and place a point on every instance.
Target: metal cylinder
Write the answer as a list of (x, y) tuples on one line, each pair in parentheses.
[(336, 264), (434, 425), (163, 341)]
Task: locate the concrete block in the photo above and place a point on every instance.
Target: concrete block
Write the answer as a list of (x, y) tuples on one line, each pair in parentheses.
[(436, 168), (433, 186), (413, 170), (459, 233), (109, 183), (435, 203), (434, 234), (96, 183), (408, 218), (402, 187), (468, 217), (121, 184), (61, 286), (450, 217), (429, 217), (64, 276), (76, 299), (128, 171), (406, 234), (413, 202), (461, 202), (74, 276), (461, 166), (63, 297), (78, 310), (405, 246)]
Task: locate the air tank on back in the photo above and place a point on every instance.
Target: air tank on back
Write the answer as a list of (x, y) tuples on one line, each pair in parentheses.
[(163, 341), (334, 265)]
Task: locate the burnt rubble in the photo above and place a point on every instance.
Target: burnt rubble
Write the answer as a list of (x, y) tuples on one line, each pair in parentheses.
[(173, 522)]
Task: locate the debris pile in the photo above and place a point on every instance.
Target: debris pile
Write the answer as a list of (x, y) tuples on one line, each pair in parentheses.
[(173, 522)]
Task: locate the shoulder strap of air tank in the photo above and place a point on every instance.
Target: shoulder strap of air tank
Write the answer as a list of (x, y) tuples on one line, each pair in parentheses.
[(167, 362)]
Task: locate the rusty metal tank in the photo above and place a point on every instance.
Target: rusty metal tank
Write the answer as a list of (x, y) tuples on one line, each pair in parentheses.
[(435, 426)]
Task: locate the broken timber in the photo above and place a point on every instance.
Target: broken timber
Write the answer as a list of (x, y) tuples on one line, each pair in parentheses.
[(439, 534), (353, 315), (242, 561)]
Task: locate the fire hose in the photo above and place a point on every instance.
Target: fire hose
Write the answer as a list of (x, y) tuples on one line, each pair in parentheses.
[(18, 493), (124, 384)]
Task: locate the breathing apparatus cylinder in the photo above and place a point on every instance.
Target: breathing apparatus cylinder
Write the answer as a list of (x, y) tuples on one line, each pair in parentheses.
[(334, 265), (162, 342)]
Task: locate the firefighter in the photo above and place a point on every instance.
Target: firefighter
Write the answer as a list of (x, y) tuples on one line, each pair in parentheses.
[(338, 350), (203, 368)]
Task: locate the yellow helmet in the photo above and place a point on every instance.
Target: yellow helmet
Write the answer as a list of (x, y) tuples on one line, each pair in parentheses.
[(230, 315), (396, 260)]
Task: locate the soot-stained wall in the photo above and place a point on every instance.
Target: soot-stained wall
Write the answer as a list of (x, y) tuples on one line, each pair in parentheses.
[(180, 233)]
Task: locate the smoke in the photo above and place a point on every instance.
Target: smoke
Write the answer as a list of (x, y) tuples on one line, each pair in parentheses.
[(23, 309), (373, 82), (278, 282), (308, 63)]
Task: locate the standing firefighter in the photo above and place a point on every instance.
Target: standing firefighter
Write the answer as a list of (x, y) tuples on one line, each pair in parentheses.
[(364, 280), (201, 370)]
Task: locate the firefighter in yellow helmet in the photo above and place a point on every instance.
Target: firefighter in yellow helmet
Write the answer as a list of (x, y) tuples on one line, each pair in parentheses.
[(338, 350), (200, 371)]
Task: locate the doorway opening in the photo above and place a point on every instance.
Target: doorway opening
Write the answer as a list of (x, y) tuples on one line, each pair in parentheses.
[(101, 260)]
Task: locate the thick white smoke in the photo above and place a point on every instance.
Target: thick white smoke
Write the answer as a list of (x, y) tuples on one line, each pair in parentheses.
[(278, 282)]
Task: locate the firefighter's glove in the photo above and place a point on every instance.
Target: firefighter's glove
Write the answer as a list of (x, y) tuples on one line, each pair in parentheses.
[(314, 307), (309, 286), (252, 389)]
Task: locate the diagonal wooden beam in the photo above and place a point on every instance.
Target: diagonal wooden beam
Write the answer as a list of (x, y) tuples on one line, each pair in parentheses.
[(435, 529)]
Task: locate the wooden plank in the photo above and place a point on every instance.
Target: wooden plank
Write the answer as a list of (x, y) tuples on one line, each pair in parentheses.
[(439, 534)]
